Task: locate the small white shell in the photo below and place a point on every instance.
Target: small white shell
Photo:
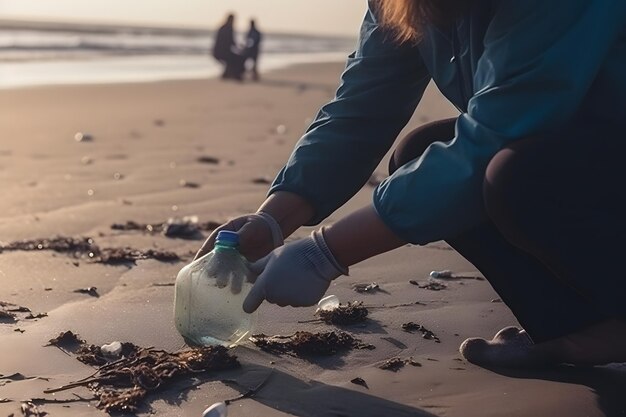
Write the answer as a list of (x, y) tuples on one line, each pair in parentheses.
[(113, 349), (216, 410), (82, 137), (328, 303), (446, 273)]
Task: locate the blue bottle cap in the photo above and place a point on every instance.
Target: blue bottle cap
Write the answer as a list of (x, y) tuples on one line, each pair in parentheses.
[(226, 236)]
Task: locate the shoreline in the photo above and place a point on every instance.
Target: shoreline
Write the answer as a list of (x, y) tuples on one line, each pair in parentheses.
[(138, 69)]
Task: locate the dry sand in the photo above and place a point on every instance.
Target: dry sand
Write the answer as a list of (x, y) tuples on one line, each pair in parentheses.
[(146, 140)]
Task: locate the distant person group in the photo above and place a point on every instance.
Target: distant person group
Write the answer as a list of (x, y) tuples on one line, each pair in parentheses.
[(237, 59)]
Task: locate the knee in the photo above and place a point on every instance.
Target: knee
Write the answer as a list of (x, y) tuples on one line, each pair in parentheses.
[(510, 194), (415, 143)]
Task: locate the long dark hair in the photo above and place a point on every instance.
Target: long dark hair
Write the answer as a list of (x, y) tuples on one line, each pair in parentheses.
[(406, 18)]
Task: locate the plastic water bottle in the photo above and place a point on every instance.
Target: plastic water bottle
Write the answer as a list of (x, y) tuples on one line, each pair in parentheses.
[(209, 296)]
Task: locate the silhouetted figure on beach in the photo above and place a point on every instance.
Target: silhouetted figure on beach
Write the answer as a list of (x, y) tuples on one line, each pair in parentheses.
[(253, 44), (225, 50)]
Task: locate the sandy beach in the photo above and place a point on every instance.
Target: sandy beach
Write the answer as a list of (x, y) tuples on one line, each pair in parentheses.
[(208, 149)]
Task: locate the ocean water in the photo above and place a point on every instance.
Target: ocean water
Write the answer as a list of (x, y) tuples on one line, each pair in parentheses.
[(47, 54)]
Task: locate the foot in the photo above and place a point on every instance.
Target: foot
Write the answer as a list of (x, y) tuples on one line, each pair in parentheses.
[(511, 347)]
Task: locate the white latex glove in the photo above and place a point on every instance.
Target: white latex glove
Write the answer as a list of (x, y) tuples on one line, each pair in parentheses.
[(297, 274), (258, 233)]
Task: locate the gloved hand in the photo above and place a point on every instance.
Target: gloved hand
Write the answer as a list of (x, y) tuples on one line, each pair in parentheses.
[(258, 233), (297, 274)]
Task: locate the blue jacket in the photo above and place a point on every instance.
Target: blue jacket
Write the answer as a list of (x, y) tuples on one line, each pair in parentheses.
[(513, 68)]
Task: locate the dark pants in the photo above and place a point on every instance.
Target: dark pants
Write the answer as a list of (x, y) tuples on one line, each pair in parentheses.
[(234, 65), (252, 56), (552, 243)]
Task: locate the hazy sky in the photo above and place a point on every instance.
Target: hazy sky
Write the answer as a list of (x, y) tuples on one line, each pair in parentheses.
[(310, 16)]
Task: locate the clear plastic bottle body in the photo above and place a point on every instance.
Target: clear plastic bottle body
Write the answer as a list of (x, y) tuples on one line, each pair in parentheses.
[(208, 299)]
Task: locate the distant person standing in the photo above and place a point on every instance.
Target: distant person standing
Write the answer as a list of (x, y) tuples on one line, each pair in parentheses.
[(226, 51), (253, 44)]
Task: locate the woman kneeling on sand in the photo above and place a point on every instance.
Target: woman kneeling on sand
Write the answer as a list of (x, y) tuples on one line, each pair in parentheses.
[(527, 183)]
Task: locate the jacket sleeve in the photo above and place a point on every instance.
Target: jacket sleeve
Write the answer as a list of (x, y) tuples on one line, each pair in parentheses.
[(540, 60), (380, 88)]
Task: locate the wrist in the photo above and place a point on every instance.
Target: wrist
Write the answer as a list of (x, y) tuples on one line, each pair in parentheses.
[(320, 241), (275, 229), (289, 210)]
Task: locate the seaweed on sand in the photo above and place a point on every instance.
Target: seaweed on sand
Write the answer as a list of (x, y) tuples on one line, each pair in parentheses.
[(187, 227), (395, 364), (350, 313), (68, 341), (309, 344), (122, 385), (411, 327), (12, 313), (85, 247)]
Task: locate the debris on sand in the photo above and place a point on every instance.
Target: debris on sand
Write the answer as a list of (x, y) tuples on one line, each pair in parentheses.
[(395, 364), (188, 184), (85, 247), (67, 341), (446, 273), (92, 291), (343, 314), (6, 317), (359, 381), (31, 410), (431, 285), (132, 225), (208, 160), (186, 227), (11, 313), (19, 377), (121, 385), (411, 327), (450, 275), (35, 316), (116, 256), (73, 246), (83, 137), (95, 356), (366, 288), (261, 181), (13, 308), (309, 344)]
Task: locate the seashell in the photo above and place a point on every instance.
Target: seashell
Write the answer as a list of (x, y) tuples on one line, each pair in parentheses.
[(328, 303), (83, 137), (112, 350), (216, 410)]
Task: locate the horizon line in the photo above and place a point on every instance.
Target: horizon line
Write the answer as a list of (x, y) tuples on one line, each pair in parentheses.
[(108, 24)]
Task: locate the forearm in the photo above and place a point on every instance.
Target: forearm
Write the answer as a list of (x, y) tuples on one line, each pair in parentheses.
[(360, 236), (288, 209)]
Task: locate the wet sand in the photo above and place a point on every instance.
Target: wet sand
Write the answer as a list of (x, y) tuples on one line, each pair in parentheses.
[(207, 149)]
